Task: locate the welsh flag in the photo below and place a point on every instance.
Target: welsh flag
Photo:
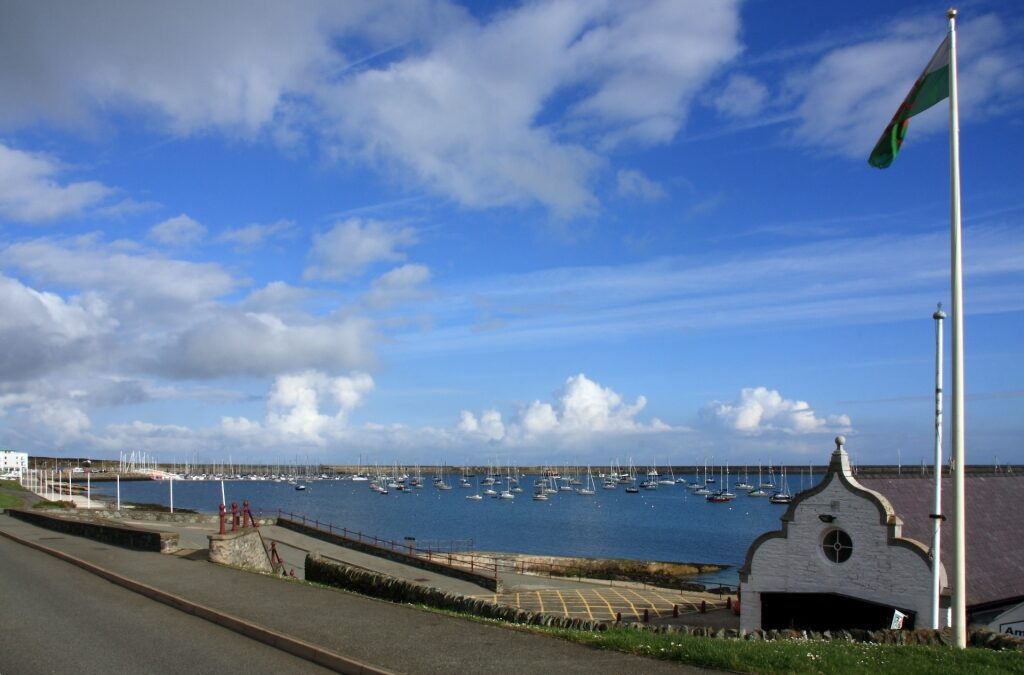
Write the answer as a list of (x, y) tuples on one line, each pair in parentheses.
[(931, 87)]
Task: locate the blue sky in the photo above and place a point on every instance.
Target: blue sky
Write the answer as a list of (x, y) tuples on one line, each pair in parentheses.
[(564, 232)]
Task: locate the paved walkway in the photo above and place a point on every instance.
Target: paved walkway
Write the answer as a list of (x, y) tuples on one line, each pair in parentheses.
[(396, 638)]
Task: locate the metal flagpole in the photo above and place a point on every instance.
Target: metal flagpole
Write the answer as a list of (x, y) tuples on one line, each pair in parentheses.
[(956, 253), (937, 516)]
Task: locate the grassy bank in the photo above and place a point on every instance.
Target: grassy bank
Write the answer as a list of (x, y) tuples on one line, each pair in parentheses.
[(800, 656), (12, 495)]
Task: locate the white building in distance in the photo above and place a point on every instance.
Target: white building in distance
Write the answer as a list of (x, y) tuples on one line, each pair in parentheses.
[(13, 464)]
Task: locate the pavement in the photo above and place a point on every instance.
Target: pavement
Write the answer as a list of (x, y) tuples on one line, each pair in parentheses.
[(345, 631)]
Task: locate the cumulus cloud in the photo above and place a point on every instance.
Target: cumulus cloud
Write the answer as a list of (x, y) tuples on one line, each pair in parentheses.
[(759, 410), (42, 331), (135, 282), (308, 407), (253, 235), (30, 192), (399, 285), (180, 230), (251, 343), (462, 116), (632, 183), (743, 96), (352, 245), (489, 426), (580, 408)]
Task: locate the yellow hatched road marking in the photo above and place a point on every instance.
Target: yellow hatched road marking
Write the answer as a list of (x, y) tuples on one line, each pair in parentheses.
[(631, 605), (586, 605), (519, 605), (611, 610), (565, 609), (647, 601), (668, 601), (540, 601)]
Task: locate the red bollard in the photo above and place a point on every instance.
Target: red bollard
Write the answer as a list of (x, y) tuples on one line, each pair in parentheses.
[(728, 602), (223, 515), (234, 516), (647, 617), (703, 607), (618, 617), (291, 573), (675, 610), (245, 514)]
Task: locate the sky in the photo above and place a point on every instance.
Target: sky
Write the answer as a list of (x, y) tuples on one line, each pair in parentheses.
[(567, 232)]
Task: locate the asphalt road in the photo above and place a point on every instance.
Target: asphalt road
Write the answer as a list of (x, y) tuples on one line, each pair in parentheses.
[(56, 618)]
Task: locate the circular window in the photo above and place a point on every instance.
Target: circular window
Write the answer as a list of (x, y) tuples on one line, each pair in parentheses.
[(837, 546)]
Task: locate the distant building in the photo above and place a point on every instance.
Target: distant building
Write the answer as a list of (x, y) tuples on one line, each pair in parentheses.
[(13, 464), (851, 554)]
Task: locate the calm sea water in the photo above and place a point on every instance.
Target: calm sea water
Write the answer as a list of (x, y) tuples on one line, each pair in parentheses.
[(667, 524)]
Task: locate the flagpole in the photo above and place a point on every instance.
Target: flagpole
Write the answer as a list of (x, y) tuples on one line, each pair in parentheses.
[(959, 584), (937, 516)]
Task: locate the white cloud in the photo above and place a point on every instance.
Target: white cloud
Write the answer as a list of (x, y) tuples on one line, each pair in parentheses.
[(743, 96), (489, 427), (180, 230), (760, 410), (29, 191), (632, 183), (250, 343), (352, 245), (135, 284), (296, 405), (252, 235), (851, 93), (462, 116), (399, 285), (42, 331), (580, 409)]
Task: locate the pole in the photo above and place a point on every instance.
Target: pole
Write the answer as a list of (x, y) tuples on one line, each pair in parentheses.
[(88, 489), (170, 483), (956, 253), (118, 492), (937, 516)]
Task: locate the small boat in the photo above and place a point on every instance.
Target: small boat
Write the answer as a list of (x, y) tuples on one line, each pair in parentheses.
[(300, 487), (475, 497), (588, 489)]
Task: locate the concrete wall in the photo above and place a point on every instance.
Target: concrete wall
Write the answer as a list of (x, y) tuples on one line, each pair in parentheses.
[(141, 540), (883, 567), (488, 581)]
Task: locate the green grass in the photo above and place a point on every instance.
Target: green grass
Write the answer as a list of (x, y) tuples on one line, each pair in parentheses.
[(11, 501), (800, 656)]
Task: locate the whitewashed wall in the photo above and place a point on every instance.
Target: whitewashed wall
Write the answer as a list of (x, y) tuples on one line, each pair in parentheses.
[(882, 568)]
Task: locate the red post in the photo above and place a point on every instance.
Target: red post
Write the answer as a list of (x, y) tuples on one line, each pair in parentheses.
[(647, 617), (223, 516), (728, 602), (234, 516), (618, 617), (675, 610), (245, 514), (703, 607)]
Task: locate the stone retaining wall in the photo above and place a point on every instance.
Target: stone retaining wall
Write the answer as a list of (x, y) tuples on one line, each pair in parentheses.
[(242, 548), (126, 537), (145, 515), (386, 587), (488, 581)]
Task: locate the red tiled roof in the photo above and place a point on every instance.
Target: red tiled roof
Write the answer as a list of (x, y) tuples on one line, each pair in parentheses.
[(995, 528)]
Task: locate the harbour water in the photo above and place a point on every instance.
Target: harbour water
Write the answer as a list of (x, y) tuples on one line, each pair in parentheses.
[(667, 524)]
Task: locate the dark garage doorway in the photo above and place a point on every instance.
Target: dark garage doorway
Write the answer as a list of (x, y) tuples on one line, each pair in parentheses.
[(826, 611)]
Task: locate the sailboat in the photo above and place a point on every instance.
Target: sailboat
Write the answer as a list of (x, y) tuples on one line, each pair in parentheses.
[(588, 488), (758, 491), (723, 495), (745, 483), (782, 496)]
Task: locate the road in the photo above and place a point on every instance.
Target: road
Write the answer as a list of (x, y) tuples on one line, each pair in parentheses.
[(57, 618)]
